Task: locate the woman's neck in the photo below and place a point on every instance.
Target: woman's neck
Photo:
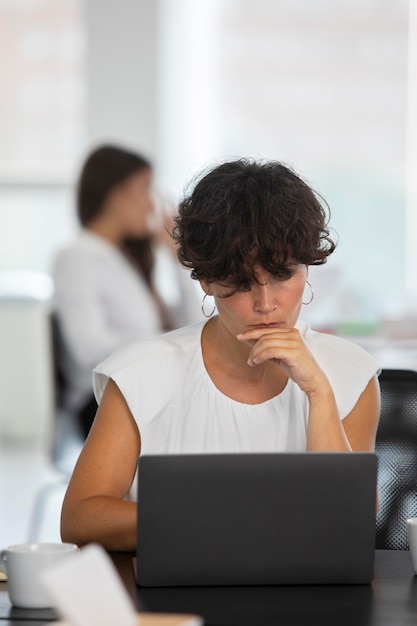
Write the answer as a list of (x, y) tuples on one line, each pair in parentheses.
[(225, 359), (219, 346), (105, 229)]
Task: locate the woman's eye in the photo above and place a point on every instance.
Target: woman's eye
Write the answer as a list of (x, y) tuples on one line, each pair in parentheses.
[(231, 291), (226, 294), (225, 291), (284, 274)]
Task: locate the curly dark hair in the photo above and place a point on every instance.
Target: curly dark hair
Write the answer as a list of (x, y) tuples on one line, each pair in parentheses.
[(246, 213)]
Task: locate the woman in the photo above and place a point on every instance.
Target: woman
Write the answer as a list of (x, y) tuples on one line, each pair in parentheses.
[(105, 289), (251, 378)]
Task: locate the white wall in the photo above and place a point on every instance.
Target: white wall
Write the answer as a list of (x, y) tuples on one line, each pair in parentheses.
[(26, 384), (121, 72)]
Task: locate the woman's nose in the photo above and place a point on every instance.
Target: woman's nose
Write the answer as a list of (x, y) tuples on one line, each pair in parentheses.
[(264, 299)]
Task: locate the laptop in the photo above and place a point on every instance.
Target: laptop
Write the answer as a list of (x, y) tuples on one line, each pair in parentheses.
[(256, 519)]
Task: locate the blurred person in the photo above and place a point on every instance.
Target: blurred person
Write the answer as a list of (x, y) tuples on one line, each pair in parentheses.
[(106, 292), (251, 378)]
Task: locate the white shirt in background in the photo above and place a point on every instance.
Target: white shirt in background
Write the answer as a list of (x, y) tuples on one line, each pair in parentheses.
[(102, 303)]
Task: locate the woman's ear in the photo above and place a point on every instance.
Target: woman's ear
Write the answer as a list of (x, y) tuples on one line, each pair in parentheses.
[(206, 287)]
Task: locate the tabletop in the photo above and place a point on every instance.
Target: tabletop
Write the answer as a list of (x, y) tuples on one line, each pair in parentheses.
[(390, 599)]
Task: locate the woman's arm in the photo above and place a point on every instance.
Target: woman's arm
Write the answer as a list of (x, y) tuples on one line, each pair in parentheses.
[(356, 432), (94, 509), (362, 422)]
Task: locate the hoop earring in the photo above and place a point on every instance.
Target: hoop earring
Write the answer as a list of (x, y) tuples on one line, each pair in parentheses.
[(311, 296), (202, 307)]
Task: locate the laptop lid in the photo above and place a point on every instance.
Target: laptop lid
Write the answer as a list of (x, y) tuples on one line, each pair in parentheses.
[(249, 519)]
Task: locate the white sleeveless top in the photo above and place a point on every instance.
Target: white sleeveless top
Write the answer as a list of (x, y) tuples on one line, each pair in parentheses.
[(178, 408)]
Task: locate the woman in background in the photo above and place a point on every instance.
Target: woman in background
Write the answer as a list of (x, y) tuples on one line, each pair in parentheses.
[(106, 293), (253, 378)]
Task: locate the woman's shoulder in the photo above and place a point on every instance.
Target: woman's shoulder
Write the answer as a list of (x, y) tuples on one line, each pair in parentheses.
[(334, 348), (164, 354), (348, 367), (86, 244), (76, 258), (182, 340), (88, 259)]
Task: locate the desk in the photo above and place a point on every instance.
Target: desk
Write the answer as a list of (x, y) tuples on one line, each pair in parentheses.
[(390, 600)]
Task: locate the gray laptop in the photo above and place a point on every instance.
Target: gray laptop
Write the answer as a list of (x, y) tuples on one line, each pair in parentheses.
[(256, 519)]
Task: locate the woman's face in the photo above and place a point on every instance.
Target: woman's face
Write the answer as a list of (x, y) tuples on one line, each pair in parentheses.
[(274, 301), (134, 205)]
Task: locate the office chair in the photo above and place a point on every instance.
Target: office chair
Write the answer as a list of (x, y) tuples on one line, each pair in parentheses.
[(396, 448)]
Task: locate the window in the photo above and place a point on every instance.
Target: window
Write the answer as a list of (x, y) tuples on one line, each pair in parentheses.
[(42, 112), (319, 85)]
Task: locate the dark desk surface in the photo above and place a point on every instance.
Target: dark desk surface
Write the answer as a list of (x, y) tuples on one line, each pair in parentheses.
[(390, 600)]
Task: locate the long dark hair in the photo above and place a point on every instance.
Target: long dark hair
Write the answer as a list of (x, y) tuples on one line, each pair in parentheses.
[(105, 168)]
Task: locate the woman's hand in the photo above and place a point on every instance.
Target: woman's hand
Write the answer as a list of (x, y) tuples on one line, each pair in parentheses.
[(286, 348)]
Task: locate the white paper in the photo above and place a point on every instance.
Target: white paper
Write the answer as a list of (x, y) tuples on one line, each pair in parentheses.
[(86, 589)]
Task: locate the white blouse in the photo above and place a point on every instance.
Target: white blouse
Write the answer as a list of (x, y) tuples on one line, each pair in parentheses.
[(178, 408), (102, 303)]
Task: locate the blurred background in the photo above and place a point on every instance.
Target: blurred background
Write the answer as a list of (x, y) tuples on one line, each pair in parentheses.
[(327, 87)]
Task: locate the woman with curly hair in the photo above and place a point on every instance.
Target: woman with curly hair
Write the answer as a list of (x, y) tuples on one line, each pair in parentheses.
[(252, 378)]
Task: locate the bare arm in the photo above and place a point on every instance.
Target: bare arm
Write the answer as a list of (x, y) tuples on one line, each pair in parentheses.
[(94, 508), (356, 432)]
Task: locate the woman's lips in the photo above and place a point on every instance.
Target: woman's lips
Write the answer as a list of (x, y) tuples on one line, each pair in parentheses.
[(271, 325)]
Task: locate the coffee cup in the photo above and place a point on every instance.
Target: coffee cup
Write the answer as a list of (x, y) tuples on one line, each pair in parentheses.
[(412, 541), (23, 564)]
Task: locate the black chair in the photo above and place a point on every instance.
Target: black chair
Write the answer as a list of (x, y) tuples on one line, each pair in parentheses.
[(396, 448)]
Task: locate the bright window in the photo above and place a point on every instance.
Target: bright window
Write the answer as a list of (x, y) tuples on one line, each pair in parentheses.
[(319, 85), (42, 111)]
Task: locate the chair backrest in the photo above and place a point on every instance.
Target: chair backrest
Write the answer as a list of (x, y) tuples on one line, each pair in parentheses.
[(66, 439), (58, 371), (396, 447)]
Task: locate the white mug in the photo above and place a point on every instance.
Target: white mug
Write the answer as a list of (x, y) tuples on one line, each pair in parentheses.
[(23, 564), (412, 541)]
